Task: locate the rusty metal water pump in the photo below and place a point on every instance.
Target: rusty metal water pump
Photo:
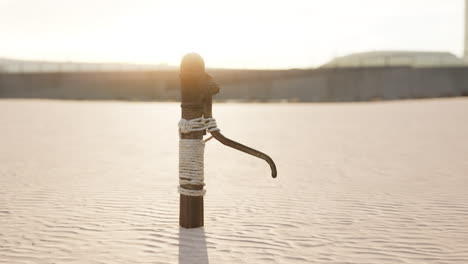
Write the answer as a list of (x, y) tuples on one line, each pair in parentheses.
[(197, 90)]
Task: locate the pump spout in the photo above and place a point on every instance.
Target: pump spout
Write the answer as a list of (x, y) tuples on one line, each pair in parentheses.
[(212, 88)]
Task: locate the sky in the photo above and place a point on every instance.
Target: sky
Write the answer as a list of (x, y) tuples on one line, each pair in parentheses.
[(230, 34)]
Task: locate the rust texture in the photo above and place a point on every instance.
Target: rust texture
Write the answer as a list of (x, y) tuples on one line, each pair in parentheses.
[(192, 72)]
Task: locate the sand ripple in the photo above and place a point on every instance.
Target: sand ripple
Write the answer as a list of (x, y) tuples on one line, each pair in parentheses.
[(94, 182)]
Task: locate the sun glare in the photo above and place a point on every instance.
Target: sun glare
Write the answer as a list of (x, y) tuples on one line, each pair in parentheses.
[(232, 34), (168, 32)]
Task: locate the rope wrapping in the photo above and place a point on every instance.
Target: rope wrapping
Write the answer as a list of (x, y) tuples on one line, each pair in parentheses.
[(191, 169), (197, 124), (191, 155)]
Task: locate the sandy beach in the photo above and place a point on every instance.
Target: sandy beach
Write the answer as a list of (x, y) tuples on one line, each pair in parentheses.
[(96, 182)]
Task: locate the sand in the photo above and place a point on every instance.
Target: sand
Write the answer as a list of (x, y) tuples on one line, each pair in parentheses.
[(95, 182)]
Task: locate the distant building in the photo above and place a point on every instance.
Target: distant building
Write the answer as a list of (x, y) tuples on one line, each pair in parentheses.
[(395, 58), (403, 58), (13, 65)]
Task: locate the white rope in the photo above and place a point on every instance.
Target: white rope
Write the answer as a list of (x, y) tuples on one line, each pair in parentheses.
[(197, 124), (191, 152), (191, 165)]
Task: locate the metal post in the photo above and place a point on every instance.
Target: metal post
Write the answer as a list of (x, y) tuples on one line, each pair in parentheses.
[(192, 72)]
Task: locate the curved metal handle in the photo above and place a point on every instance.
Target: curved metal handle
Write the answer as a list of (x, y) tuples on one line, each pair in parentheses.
[(233, 144), (213, 88)]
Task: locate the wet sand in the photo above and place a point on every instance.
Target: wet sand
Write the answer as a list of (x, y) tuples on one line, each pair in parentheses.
[(95, 182)]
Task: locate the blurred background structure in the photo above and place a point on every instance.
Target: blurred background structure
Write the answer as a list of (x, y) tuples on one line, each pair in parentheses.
[(396, 58), (374, 75)]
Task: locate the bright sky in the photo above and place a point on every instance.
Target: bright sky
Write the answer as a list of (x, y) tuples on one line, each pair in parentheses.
[(233, 34)]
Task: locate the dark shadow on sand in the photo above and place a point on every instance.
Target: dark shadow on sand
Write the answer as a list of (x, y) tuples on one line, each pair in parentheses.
[(192, 246)]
